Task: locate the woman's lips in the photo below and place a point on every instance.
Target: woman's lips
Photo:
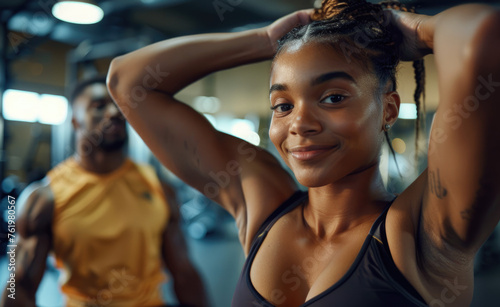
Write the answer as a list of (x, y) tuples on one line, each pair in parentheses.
[(305, 153)]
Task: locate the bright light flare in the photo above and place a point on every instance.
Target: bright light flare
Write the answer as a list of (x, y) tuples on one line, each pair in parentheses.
[(77, 12), (33, 107)]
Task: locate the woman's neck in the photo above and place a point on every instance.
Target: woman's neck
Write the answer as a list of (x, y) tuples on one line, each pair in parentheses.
[(338, 207)]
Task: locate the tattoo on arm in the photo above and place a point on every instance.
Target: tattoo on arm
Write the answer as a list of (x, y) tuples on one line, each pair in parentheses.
[(467, 214), (483, 196), (435, 185)]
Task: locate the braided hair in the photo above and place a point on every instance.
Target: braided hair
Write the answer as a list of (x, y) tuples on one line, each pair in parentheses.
[(361, 32)]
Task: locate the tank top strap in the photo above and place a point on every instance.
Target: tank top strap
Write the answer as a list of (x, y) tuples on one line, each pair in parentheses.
[(288, 205), (396, 277), (375, 230)]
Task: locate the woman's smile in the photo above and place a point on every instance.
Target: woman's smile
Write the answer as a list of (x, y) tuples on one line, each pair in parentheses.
[(311, 152)]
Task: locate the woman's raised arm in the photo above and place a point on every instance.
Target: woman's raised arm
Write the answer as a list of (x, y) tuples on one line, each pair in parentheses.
[(231, 171), (461, 202)]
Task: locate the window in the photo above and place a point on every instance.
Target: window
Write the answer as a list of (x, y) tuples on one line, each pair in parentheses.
[(33, 107)]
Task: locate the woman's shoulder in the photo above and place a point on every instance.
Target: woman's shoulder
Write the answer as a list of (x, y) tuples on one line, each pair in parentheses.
[(405, 208), (412, 247)]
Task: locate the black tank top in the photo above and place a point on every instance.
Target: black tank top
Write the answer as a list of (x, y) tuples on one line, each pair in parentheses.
[(372, 280)]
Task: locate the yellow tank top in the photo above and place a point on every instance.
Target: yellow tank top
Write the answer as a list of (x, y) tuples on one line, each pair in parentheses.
[(107, 232)]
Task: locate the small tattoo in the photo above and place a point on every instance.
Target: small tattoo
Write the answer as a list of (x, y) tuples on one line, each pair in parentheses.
[(435, 185), (483, 196), (468, 213)]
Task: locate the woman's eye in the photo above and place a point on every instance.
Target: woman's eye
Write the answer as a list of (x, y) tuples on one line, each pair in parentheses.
[(333, 99), (282, 108)]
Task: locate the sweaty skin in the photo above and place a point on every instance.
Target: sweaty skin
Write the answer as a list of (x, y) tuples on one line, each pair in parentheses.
[(329, 130)]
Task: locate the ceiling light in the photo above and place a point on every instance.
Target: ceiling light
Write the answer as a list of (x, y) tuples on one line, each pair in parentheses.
[(408, 111), (207, 104), (79, 11), (53, 109), (20, 106), (399, 145), (33, 107), (245, 129)]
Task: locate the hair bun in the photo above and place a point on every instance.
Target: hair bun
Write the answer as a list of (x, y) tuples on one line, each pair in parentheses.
[(396, 5), (355, 9), (348, 8)]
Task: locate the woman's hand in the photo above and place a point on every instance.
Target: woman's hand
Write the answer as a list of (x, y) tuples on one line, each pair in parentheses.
[(417, 31), (282, 26)]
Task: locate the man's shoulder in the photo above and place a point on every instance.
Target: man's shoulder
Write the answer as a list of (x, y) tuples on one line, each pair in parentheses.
[(64, 170), (35, 208)]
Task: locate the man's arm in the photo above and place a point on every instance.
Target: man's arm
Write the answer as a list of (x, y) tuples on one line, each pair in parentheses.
[(188, 285), (35, 241)]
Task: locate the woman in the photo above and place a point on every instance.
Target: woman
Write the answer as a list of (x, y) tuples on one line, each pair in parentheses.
[(346, 241)]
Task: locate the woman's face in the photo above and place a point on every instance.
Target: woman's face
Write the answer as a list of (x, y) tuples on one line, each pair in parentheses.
[(327, 120)]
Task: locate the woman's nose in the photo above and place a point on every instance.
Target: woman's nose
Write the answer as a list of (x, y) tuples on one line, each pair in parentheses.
[(304, 121)]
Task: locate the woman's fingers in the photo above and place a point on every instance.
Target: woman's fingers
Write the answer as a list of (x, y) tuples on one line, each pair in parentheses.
[(305, 16), (412, 47), (285, 24)]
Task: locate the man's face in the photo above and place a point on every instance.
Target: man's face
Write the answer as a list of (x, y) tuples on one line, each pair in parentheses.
[(98, 120)]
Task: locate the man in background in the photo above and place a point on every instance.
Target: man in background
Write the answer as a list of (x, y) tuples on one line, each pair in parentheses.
[(109, 221)]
